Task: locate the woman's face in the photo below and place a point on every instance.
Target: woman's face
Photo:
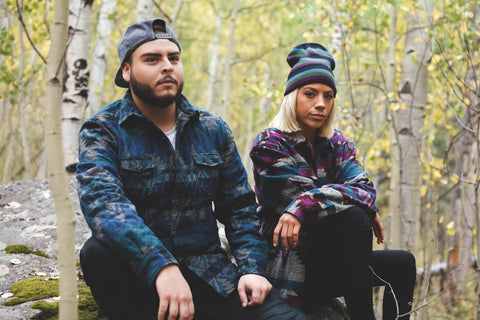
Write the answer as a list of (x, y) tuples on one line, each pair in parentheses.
[(314, 103)]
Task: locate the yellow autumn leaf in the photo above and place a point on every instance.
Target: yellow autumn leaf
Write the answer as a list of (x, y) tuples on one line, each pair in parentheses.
[(454, 179), (423, 190), (394, 106), (451, 228)]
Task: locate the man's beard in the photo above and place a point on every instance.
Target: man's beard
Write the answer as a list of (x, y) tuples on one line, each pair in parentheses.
[(145, 93)]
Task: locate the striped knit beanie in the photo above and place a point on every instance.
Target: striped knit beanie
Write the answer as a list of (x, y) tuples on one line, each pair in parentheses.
[(310, 63)]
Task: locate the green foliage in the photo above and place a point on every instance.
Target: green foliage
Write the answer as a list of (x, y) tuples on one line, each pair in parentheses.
[(21, 248)]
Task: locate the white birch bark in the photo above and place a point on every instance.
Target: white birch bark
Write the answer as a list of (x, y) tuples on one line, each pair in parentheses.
[(175, 14), (393, 223), (22, 112), (75, 96), (410, 118), (12, 142), (100, 56), (213, 65), (144, 9), (3, 20), (3, 24), (68, 306), (229, 63)]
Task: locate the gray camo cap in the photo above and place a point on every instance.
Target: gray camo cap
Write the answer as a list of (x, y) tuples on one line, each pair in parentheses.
[(136, 35)]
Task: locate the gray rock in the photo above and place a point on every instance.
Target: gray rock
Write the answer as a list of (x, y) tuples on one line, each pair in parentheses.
[(27, 217)]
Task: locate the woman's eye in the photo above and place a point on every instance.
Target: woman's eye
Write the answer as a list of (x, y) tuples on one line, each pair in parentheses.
[(309, 94)]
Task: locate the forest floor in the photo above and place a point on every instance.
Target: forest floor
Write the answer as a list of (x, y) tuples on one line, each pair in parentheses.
[(27, 217)]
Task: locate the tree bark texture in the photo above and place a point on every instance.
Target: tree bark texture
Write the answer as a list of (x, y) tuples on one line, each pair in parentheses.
[(75, 95), (57, 177), (144, 9), (409, 120), (100, 56)]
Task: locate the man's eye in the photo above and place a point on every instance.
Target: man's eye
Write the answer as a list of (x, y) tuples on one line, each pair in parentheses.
[(175, 59)]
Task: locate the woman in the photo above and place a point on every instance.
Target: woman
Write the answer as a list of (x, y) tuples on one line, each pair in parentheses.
[(318, 205)]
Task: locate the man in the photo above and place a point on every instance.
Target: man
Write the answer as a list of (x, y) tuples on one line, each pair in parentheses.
[(155, 174)]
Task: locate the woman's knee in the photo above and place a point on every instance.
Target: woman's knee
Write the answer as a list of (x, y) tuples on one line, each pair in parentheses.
[(356, 217)]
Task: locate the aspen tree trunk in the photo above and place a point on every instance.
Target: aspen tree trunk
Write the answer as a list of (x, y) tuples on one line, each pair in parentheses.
[(393, 227), (473, 97), (464, 208), (56, 173), (11, 144), (212, 66), (229, 63), (75, 96), (100, 56), (463, 205), (175, 14), (3, 20), (144, 9), (22, 112), (410, 117)]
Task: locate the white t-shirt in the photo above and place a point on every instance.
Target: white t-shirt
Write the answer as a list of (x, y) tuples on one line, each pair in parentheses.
[(171, 136)]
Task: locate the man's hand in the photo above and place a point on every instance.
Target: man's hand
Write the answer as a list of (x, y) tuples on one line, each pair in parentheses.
[(174, 294), (253, 289), (288, 228), (378, 229)]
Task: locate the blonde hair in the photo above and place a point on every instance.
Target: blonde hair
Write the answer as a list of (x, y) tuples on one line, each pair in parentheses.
[(286, 119)]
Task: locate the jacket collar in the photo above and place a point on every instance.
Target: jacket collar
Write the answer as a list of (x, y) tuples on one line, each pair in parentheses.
[(129, 111), (297, 139)]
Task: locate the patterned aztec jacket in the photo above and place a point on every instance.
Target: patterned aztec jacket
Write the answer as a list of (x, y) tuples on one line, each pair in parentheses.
[(288, 179), (155, 206)]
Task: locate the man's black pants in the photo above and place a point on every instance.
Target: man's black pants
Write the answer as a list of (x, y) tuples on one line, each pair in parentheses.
[(122, 295)]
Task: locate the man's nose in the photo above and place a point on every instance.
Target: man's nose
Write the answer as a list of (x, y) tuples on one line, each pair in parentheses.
[(167, 66)]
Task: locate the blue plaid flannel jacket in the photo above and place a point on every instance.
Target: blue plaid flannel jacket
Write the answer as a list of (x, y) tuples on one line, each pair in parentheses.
[(156, 206)]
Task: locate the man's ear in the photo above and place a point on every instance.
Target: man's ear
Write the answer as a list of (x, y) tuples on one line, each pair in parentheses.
[(126, 71)]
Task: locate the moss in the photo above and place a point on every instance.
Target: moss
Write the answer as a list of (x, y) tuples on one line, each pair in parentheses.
[(32, 289), (49, 310), (40, 288), (21, 248)]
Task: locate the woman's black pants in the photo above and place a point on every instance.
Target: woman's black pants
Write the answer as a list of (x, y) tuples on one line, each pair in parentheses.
[(340, 262)]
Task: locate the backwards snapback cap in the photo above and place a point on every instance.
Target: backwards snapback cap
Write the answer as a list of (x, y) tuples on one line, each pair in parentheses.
[(136, 35)]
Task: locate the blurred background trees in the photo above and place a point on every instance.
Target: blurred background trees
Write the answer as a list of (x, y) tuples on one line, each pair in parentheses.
[(408, 83)]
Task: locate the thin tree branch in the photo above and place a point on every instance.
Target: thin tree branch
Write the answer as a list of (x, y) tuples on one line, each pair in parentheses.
[(20, 18)]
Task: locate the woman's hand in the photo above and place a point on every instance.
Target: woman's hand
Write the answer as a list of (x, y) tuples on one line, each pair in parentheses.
[(288, 229), (378, 229)]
